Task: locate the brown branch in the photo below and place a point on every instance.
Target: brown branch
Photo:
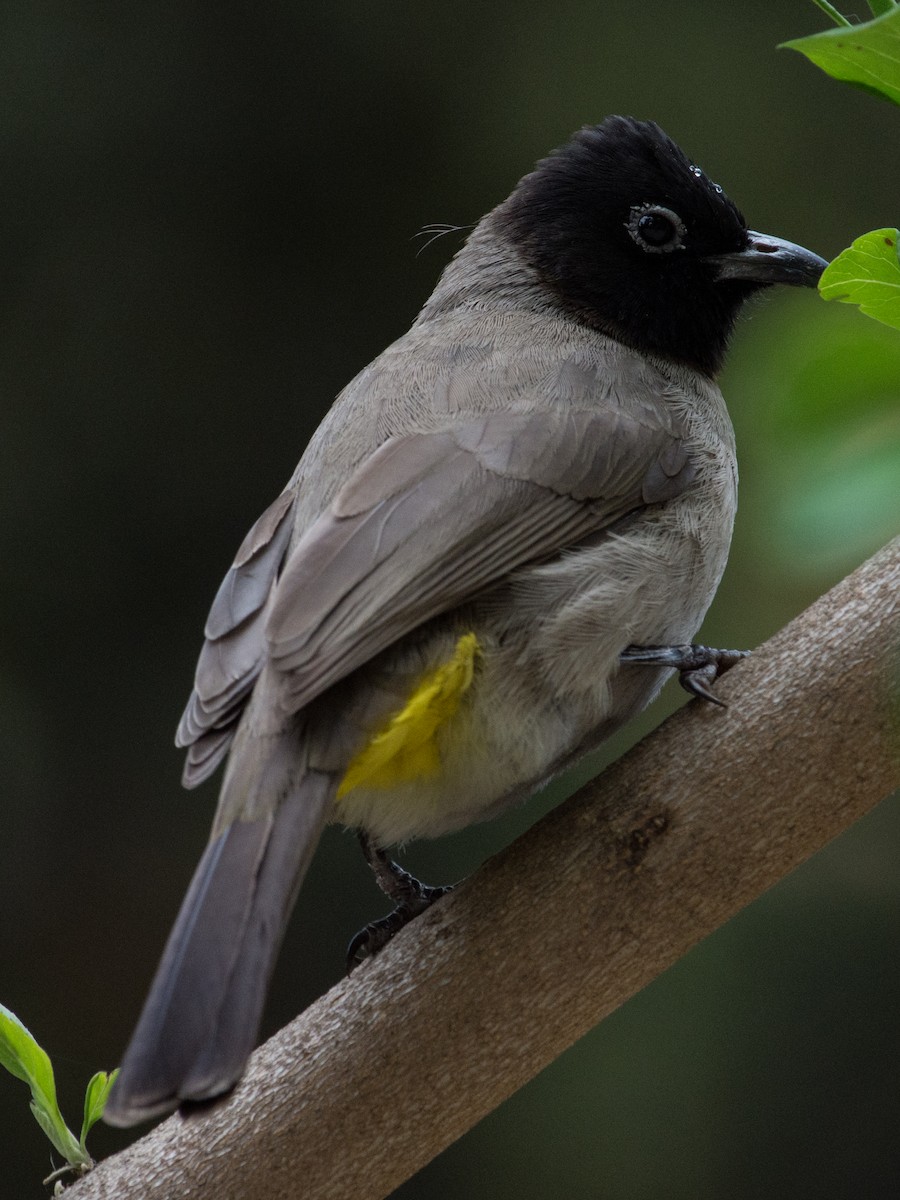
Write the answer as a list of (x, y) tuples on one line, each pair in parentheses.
[(391, 1066)]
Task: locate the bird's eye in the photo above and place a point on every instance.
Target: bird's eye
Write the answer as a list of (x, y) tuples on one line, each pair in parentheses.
[(656, 229)]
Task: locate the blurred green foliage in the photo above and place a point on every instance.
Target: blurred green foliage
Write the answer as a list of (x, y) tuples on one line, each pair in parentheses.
[(824, 386), (208, 216)]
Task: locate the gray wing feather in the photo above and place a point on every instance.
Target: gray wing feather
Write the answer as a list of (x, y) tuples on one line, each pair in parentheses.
[(246, 586), (233, 653), (432, 519)]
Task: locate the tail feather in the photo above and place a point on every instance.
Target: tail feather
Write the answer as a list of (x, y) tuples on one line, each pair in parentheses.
[(201, 1018)]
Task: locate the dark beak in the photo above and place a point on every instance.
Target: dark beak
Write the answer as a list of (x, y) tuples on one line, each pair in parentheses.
[(770, 260)]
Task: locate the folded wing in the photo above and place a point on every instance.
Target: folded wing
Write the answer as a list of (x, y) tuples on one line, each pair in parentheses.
[(432, 519), (427, 522)]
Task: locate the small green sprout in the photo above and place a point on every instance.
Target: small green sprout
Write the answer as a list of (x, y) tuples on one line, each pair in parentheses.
[(21, 1055)]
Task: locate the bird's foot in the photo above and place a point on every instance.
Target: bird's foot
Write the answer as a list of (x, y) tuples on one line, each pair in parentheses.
[(410, 896), (697, 666)]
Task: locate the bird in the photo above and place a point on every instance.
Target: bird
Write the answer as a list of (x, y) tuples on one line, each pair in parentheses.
[(495, 549)]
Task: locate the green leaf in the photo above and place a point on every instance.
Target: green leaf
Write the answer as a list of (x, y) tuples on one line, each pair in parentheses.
[(879, 7), (23, 1057), (867, 56), (95, 1098), (867, 274)]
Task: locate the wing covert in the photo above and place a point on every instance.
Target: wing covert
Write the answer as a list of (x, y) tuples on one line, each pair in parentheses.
[(432, 519)]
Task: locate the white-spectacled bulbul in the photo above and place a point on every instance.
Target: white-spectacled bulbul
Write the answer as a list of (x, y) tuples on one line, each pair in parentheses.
[(495, 549)]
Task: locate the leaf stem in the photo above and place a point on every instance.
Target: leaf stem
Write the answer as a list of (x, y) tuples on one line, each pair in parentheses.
[(838, 18), (69, 1169)]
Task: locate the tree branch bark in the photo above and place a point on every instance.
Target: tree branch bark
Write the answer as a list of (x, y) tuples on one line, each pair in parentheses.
[(611, 888)]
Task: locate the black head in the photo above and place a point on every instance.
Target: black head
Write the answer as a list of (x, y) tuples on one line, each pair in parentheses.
[(635, 240)]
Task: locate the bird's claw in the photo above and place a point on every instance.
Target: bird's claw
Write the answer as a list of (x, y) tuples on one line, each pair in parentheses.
[(376, 935), (410, 895), (373, 937), (697, 666)]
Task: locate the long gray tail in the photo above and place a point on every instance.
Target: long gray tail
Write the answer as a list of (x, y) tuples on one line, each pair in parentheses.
[(201, 1018)]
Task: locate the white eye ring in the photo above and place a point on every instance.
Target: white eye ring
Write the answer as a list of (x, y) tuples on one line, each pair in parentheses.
[(639, 227)]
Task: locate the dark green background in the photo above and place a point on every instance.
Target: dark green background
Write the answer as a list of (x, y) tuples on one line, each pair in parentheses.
[(206, 219)]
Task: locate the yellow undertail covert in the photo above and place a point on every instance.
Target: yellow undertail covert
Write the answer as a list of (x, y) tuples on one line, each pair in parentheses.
[(407, 748)]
